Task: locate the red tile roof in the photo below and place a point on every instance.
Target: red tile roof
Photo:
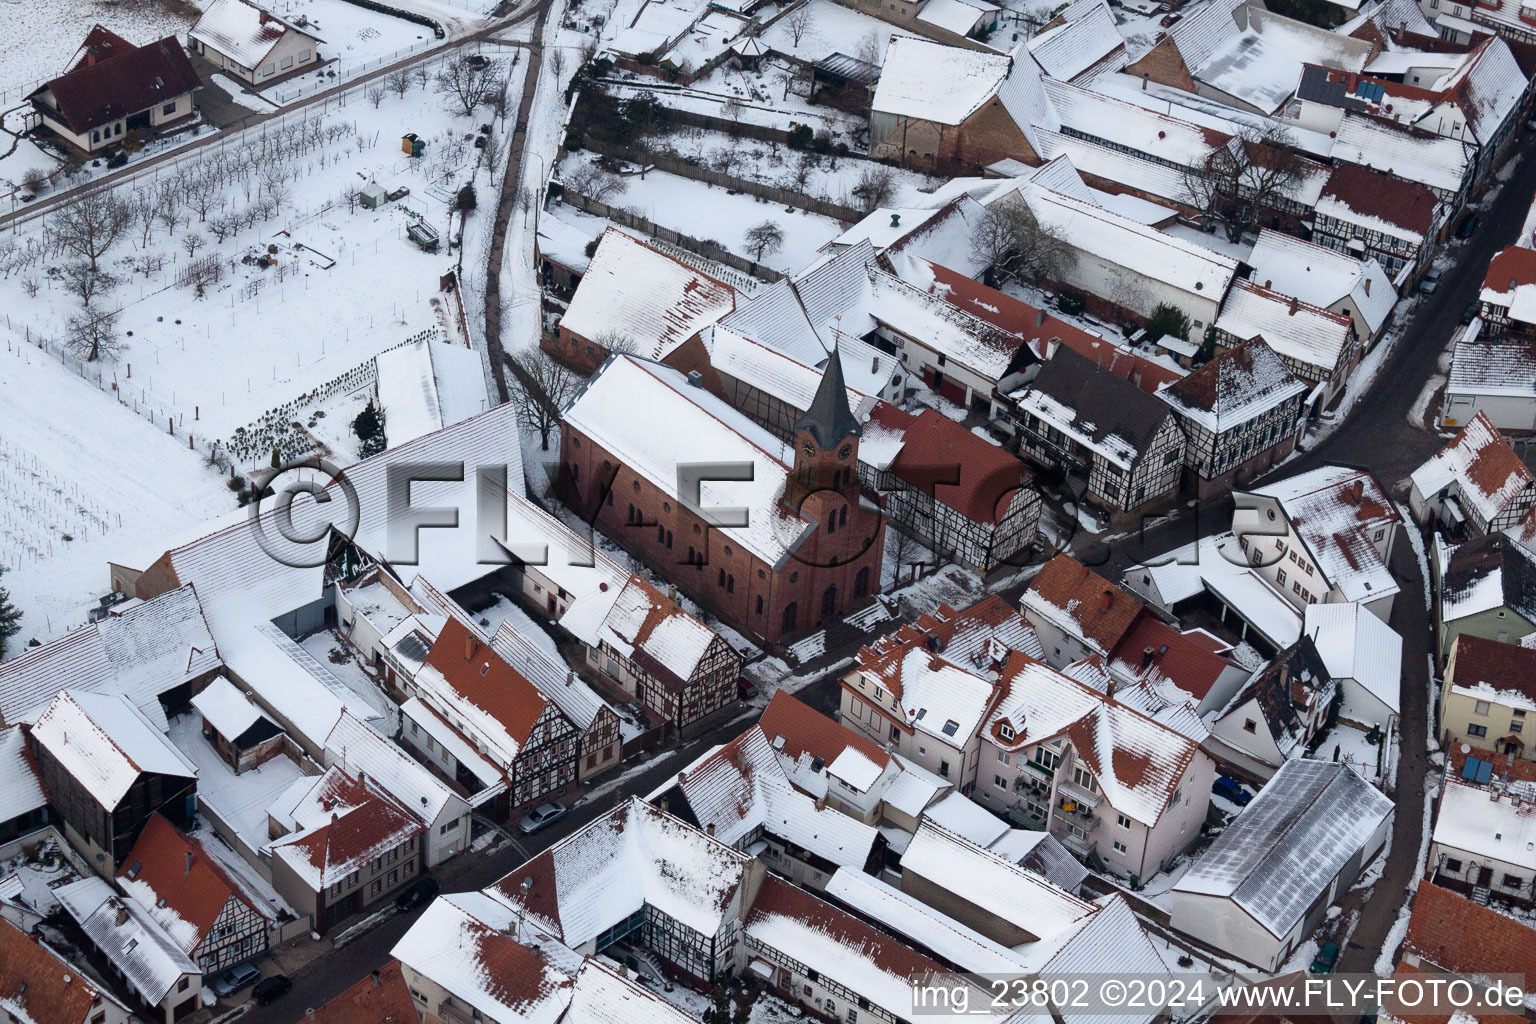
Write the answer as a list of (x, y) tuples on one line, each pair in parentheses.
[(936, 450), (179, 871), (46, 987), (1145, 373), (1407, 971), (1103, 612), (372, 826), (1505, 766), (1502, 666), (1188, 663), (124, 83), (780, 898), (808, 731), (1454, 934), (484, 679), (1513, 266), (381, 998), (1394, 200), (938, 630), (100, 43)]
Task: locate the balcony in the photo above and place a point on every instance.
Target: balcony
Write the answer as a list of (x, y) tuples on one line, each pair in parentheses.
[(1039, 771), (1079, 795)]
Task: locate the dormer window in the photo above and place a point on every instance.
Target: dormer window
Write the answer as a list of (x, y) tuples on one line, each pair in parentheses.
[(1005, 732)]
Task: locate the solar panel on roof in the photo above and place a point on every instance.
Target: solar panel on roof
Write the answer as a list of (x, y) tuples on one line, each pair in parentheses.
[(1477, 770)]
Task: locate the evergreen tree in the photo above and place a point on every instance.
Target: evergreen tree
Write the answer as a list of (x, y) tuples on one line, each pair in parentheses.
[(369, 428), (10, 618)]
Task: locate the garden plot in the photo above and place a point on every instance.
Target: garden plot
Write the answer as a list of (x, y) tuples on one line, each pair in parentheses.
[(707, 213), (749, 98), (46, 33), (830, 28)]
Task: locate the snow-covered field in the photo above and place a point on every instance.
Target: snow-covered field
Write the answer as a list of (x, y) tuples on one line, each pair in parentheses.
[(346, 283), (356, 40)]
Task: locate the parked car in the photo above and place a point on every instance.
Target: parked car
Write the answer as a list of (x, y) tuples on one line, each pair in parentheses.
[(232, 979), (423, 890), (540, 816), (1231, 789), (1326, 957), (1470, 313), (1169, 19), (1430, 282), (745, 689), (1468, 225), (269, 989)]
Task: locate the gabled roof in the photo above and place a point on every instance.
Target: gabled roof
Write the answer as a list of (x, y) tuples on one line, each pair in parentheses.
[(740, 789), (123, 83), (381, 998), (243, 30), (1236, 386), (1099, 409), (1296, 330), (466, 677), (1321, 276), (1157, 653), (1454, 934), (1355, 644), (1395, 206), (1487, 573), (100, 43), (974, 476), (800, 733), (1511, 282), (1496, 670), (22, 792), (229, 711), (633, 290), (177, 884), (359, 748), (362, 824), (142, 951), (1335, 510), (105, 743), (1485, 471), (1294, 683), (553, 678), (967, 637), (1493, 366), (1082, 47), (1285, 848), (38, 986), (153, 646), (1082, 602), (929, 81), (633, 856), (647, 626), (1435, 161)]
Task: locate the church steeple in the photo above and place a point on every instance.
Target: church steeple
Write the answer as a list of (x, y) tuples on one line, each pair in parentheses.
[(829, 419)]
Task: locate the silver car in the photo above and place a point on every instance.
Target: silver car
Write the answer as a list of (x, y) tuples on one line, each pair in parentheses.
[(542, 815)]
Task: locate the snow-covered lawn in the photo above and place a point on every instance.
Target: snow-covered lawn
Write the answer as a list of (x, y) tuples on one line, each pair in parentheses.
[(45, 34), (1352, 748), (240, 801), (345, 663), (750, 97), (353, 36), (708, 213), (833, 28)]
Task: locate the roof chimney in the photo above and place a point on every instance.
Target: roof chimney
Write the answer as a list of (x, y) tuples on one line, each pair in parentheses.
[(335, 817), (189, 863), (1294, 304), (469, 647), (1107, 600), (1147, 654), (709, 829), (821, 802), (1367, 286), (1357, 492), (1039, 317), (695, 378), (895, 220), (122, 914)]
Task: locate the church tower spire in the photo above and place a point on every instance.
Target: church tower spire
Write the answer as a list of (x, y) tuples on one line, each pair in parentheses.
[(827, 435)]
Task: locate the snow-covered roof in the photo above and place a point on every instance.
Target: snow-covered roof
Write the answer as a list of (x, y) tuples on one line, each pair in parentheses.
[(965, 817), (1493, 367), (1481, 466), (1100, 410), (423, 716), (635, 855), (874, 966), (941, 326), (1285, 848), (928, 81), (292, 682), (1256, 56), (1499, 828), (224, 707), (1335, 510), (1217, 564), (1238, 385), (1123, 122), (106, 743), (425, 385), (146, 955), (1436, 161), (1296, 330), (628, 393), (342, 823), (1321, 276), (152, 647), (633, 291), (775, 372), (1490, 572), (1087, 45), (554, 679), (22, 792), (966, 948), (242, 31), (603, 996), (957, 16), (644, 623), (741, 789), (982, 878), (480, 952), (1488, 85), (175, 882), (41, 987), (358, 748), (803, 736), (1357, 645)]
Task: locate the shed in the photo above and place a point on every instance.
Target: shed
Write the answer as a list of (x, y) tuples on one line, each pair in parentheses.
[(373, 195)]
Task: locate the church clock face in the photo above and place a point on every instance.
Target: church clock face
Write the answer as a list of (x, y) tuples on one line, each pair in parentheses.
[(845, 451), (809, 449)]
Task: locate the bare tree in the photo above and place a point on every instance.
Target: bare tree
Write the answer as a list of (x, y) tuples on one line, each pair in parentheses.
[(798, 22), (616, 342), (596, 183), (91, 224), (875, 187), (202, 194), (149, 263), (93, 335), (465, 80), (1256, 171), (1009, 240), (726, 159), (763, 239), (869, 48), (399, 81), (274, 182), (85, 282), (146, 211), (785, 76), (540, 387), (34, 180), (555, 57), (376, 94), (422, 75), (192, 241)]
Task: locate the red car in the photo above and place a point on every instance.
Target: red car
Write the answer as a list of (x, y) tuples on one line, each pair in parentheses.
[(1169, 19)]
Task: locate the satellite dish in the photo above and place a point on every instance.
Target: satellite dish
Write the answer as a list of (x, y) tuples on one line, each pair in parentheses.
[(1466, 748)]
